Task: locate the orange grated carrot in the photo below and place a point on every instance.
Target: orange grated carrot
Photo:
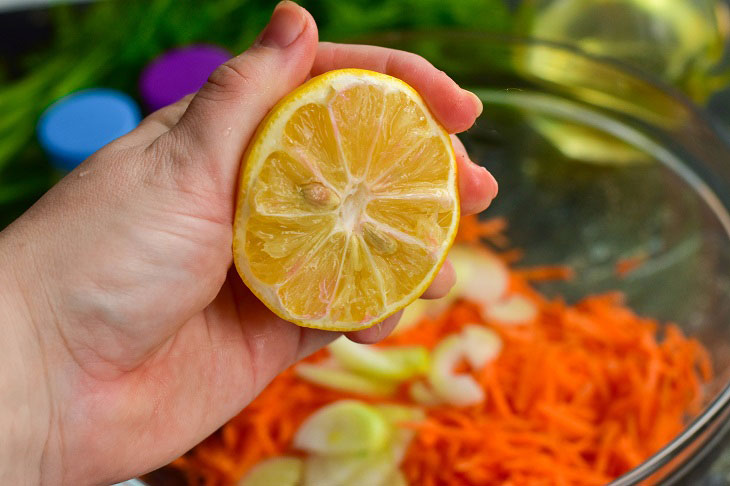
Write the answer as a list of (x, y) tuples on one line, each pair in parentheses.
[(472, 230), (546, 272), (627, 265), (511, 256), (576, 398)]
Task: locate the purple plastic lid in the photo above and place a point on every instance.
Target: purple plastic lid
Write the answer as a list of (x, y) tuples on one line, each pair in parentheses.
[(179, 72)]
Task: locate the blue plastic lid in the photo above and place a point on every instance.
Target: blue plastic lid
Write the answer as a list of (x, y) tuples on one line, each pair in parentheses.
[(78, 125)]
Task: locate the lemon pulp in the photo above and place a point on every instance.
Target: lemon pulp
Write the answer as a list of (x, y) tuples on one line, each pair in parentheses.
[(348, 202)]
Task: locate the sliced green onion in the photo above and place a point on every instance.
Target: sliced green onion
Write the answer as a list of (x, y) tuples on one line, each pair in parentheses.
[(412, 360), (398, 414), (363, 359), (377, 466), (396, 363), (514, 309), (480, 276), (457, 389), (331, 470), (346, 381), (421, 393), (279, 471), (402, 437), (400, 443), (397, 478), (372, 469), (377, 469), (481, 345), (343, 427)]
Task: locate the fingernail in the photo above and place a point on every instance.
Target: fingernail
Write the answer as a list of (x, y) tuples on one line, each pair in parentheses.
[(480, 106), (286, 23)]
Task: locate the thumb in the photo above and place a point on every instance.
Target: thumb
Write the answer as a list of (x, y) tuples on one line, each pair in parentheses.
[(223, 116)]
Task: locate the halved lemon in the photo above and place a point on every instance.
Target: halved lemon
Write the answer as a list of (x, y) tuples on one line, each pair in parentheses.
[(348, 201)]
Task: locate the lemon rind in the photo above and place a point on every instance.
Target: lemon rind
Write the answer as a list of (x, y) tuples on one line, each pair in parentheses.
[(332, 80)]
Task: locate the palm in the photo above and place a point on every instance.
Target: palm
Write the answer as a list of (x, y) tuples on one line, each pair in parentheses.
[(185, 345), (215, 362)]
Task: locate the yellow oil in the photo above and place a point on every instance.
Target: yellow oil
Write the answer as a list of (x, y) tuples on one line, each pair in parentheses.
[(680, 41)]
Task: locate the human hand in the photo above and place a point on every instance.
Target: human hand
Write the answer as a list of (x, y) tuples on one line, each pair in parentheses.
[(129, 337)]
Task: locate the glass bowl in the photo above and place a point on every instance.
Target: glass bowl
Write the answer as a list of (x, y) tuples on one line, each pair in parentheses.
[(596, 165)]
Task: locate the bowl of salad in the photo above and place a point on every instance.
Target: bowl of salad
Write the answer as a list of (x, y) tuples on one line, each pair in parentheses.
[(586, 341)]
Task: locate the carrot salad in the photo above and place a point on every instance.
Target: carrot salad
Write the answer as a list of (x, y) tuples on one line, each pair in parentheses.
[(578, 395)]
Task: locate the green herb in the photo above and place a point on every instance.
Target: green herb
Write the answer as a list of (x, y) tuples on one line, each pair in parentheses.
[(108, 43)]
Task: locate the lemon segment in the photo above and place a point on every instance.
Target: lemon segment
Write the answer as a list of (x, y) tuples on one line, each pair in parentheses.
[(348, 202)]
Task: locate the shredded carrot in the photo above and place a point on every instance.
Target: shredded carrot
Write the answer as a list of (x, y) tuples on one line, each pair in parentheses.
[(577, 397), (511, 256), (546, 272), (625, 266), (472, 230), (476, 232)]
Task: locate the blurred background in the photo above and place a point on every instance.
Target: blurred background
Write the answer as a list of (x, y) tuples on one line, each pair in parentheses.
[(51, 49), (74, 75)]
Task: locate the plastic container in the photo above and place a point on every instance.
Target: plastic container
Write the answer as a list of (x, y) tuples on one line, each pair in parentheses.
[(78, 125), (178, 73)]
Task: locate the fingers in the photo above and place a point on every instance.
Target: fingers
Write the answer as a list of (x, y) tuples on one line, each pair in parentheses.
[(376, 333), (445, 279), (455, 108), (161, 121), (477, 187), (272, 344), (224, 114)]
